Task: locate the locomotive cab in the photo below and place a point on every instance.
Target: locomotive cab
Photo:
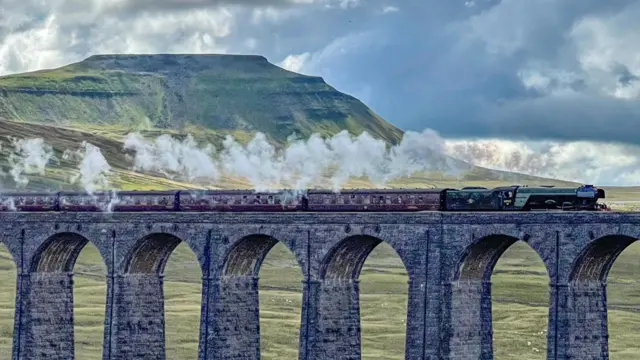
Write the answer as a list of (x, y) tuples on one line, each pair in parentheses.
[(505, 198)]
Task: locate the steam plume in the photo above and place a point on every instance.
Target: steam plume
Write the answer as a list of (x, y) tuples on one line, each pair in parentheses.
[(172, 158), (93, 169), (29, 156), (302, 164)]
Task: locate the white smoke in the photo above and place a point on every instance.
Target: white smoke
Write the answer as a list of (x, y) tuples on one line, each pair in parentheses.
[(29, 157), (9, 204), (93, 169), (172, 158), (302, 163)]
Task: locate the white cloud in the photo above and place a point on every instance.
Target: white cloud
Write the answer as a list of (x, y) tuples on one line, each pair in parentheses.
[(194, 31), (607, 47), (58, 40), (389, 9), (535, 80), (36, 48), (273, 15), (504, 28), (319, 62), (251, 43), (548, 80), (295, 63), (349, 4)]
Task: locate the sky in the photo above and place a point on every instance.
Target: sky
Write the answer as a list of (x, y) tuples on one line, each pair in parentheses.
[(543, 78)]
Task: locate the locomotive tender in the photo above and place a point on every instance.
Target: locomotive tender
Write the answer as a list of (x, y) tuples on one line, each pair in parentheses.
[(506, 198)]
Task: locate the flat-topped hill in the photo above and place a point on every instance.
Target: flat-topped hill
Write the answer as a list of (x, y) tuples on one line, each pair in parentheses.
[(223, 92)]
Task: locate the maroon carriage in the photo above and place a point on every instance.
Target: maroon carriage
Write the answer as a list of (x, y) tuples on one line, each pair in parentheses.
[(239, 200), (376, 200)]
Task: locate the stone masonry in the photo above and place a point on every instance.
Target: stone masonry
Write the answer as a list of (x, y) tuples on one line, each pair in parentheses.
[(449, 258)]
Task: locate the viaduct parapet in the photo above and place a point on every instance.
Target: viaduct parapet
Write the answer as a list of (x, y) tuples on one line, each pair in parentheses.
[(449, 258)]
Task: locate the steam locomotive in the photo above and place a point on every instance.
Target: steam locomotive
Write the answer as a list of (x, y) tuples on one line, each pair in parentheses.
[(506, 198)]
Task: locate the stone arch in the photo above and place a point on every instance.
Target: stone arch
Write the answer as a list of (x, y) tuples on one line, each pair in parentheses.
[(595, 260), (344, 261), (592, 295), (479, 259), (246, 255), (51, 294), (242, 295), (352, 297), (151, 253), (59, 253), (152, 326), (471, 303)]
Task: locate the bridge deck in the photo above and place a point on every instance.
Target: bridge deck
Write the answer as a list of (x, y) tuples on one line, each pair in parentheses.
[(431, 217)]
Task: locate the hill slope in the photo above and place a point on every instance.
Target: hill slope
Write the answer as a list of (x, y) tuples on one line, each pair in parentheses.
[(225, 92)]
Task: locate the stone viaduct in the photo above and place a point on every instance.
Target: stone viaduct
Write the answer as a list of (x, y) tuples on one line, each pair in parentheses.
[(449, 258)]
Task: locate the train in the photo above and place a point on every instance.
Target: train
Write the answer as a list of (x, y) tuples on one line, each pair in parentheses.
[(504, 198)]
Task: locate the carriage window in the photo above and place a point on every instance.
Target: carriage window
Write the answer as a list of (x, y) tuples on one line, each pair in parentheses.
[(381, 198)]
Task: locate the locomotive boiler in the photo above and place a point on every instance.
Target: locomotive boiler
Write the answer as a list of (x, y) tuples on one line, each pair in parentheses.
[(506, 198)]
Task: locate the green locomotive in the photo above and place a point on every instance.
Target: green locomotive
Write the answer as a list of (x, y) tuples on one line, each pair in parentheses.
[(524, 198)]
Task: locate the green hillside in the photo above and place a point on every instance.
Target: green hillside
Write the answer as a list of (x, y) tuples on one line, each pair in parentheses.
[(224, 92)]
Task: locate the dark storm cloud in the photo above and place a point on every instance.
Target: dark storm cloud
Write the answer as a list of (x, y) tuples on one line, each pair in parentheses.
[(514, 69), (574, 116)]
